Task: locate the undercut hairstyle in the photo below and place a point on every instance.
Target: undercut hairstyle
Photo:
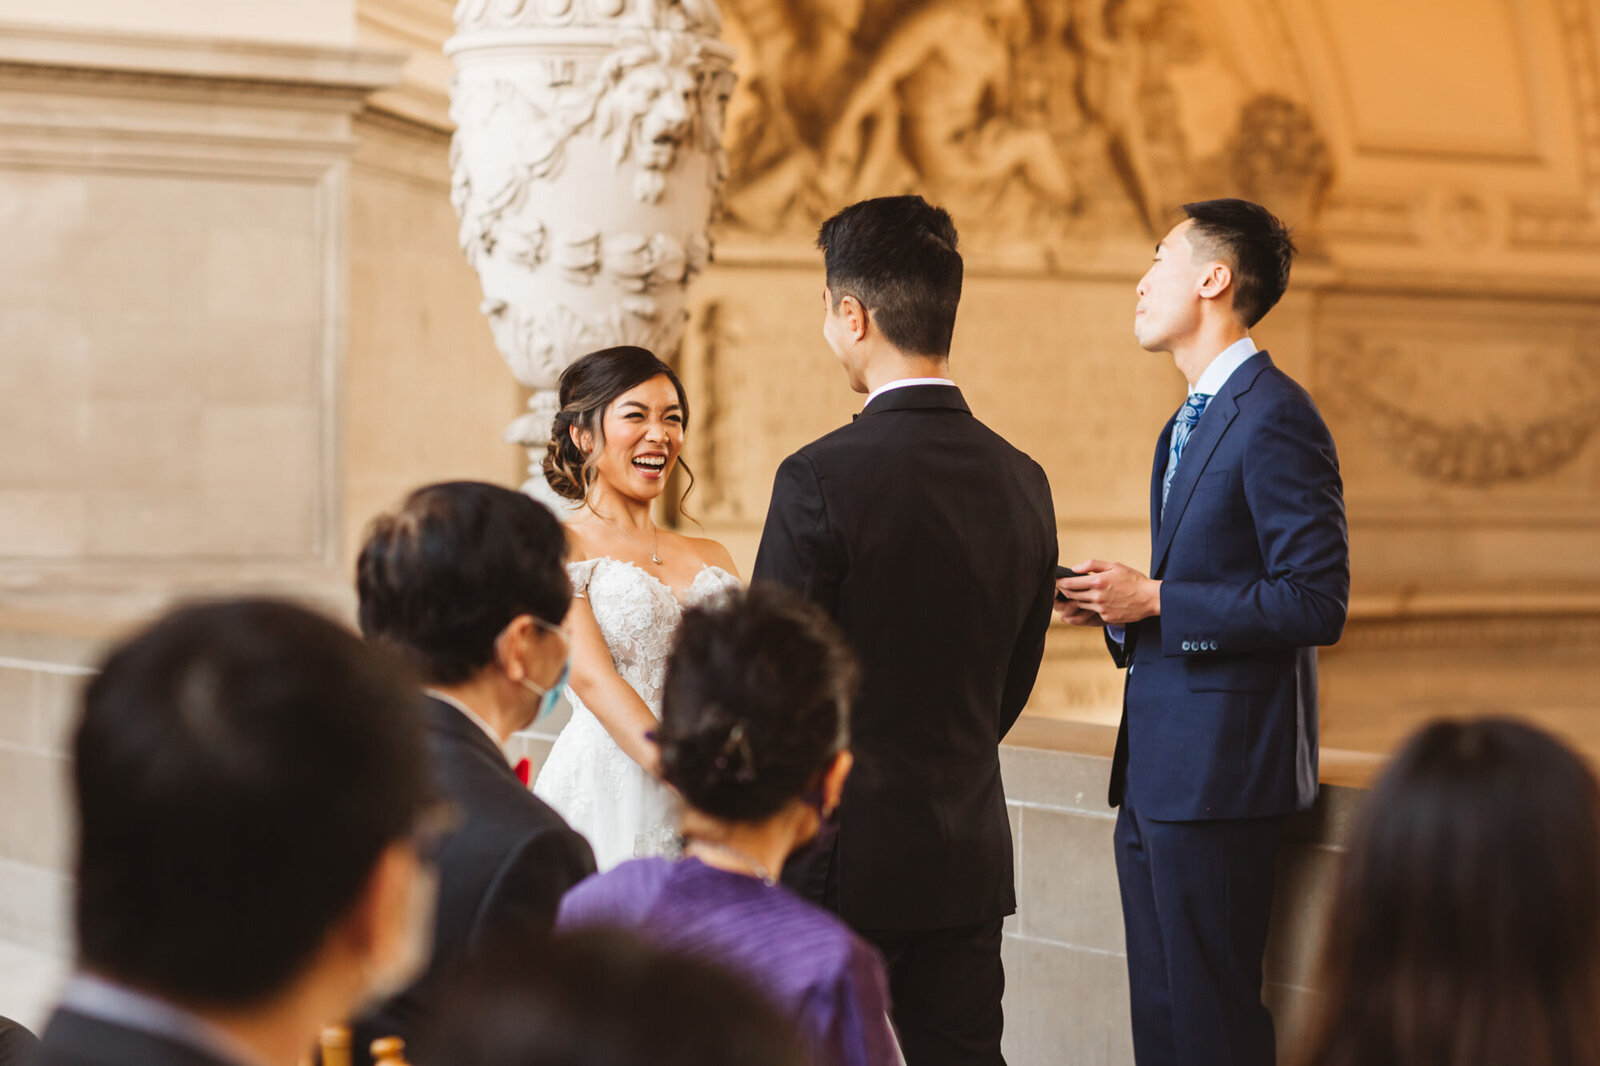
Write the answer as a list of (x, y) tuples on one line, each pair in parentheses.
[(1255, 244), (238, 769), (755, 704), (897, 256), (1465, 927), (606, 997), (586, 390), (439, 579)]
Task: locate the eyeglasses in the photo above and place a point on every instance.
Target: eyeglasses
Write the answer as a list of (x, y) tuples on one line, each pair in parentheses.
[(551, 627)]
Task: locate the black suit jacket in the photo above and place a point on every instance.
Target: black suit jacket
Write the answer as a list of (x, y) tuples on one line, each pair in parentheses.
[(502, 871), (932, 543), (73, 1039)]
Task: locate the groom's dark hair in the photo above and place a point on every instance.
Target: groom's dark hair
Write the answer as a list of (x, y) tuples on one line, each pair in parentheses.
[(897, 255)]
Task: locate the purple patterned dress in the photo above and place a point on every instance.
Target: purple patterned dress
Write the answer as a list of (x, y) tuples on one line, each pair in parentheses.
[(806, 960)]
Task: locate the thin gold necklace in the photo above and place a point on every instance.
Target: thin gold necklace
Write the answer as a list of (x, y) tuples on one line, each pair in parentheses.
[(756, 866), (655, 537)]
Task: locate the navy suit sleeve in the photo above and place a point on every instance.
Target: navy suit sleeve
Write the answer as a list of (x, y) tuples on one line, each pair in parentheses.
[(522, 899), (1292, 487), (797, 547)]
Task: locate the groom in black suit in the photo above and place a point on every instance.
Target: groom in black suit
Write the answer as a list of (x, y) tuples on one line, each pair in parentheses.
[(932, 543)]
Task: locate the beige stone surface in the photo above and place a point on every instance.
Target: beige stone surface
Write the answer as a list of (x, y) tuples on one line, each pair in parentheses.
[(426, 395), (136, 421), (319, 21)]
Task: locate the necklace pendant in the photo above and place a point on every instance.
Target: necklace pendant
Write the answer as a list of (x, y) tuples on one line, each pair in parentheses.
[(654, 558)]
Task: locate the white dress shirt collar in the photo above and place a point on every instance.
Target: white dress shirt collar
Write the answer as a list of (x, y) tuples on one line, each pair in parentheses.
[(106, 1001), (472, 717), (903, 383), (1222, 367)]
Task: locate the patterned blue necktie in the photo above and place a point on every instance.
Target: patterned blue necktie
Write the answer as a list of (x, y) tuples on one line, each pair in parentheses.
[(1188, 417)]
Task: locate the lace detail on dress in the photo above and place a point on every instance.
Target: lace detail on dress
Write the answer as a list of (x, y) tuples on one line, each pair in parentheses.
[(601, 792)]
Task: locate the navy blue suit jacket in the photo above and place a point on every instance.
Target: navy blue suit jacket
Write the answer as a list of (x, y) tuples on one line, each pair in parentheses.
[(1219, 715)]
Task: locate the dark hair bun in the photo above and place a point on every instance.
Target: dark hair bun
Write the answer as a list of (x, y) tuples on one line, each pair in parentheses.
[(564, 465), (756, 703)]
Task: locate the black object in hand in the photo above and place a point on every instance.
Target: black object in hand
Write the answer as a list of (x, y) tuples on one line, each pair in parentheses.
[(1061, 572)]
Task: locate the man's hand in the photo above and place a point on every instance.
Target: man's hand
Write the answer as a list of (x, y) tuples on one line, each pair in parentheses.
[(1069, 612), (1115, 592)]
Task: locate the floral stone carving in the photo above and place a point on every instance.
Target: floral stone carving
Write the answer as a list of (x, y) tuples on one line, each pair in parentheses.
[(586, 168)]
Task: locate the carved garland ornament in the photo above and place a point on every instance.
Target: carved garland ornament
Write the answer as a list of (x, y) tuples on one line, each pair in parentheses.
[(585, 170), (1476, 453)]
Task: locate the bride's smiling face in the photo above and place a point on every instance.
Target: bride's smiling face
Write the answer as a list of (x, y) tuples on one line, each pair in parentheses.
[(643, 431)]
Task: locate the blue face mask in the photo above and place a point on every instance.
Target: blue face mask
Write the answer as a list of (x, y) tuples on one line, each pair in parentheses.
[(549, 697)]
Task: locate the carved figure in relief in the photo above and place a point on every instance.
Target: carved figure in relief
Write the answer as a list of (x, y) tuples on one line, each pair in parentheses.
[(1123, 92), (934, 110), (1277, 155), (647, 107), (796, 60), (500, 111), (1034, 117), (646, 100)]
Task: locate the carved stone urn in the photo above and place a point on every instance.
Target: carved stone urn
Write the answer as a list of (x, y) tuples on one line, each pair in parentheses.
[(586, 167)]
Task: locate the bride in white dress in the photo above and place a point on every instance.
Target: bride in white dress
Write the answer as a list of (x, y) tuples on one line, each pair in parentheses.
[(615, 442)]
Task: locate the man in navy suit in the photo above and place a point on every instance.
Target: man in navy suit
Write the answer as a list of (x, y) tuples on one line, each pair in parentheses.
[(1249, 573)]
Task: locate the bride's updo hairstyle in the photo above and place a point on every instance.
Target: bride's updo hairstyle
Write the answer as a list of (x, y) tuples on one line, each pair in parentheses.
[(587, 388), (756, 703)]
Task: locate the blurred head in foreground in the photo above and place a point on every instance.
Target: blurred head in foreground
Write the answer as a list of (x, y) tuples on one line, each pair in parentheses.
[(249, 780), (1466, 928), (602, 997)]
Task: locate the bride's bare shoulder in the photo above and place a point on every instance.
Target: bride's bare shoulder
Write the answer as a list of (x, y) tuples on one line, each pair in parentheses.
[(712, 553), (580, 539)]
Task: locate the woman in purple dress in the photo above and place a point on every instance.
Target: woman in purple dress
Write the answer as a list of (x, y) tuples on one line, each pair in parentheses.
[(754, 727)]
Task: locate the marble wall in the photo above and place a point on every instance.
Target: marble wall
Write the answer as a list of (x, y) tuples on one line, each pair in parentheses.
[(173, 302)]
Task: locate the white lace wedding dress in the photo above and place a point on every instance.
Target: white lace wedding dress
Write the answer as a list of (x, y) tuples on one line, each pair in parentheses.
[(601, 792)]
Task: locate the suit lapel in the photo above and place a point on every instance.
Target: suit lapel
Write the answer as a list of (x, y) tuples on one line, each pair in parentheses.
[(1219, 415), (455, 725)]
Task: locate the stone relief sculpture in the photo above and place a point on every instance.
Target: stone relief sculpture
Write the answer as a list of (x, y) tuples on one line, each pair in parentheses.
[(1034, 120), (585, 169)]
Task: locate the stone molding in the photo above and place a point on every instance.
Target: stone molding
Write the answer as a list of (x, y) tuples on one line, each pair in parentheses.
[(161, 59), (138, 102), (420, 28)]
